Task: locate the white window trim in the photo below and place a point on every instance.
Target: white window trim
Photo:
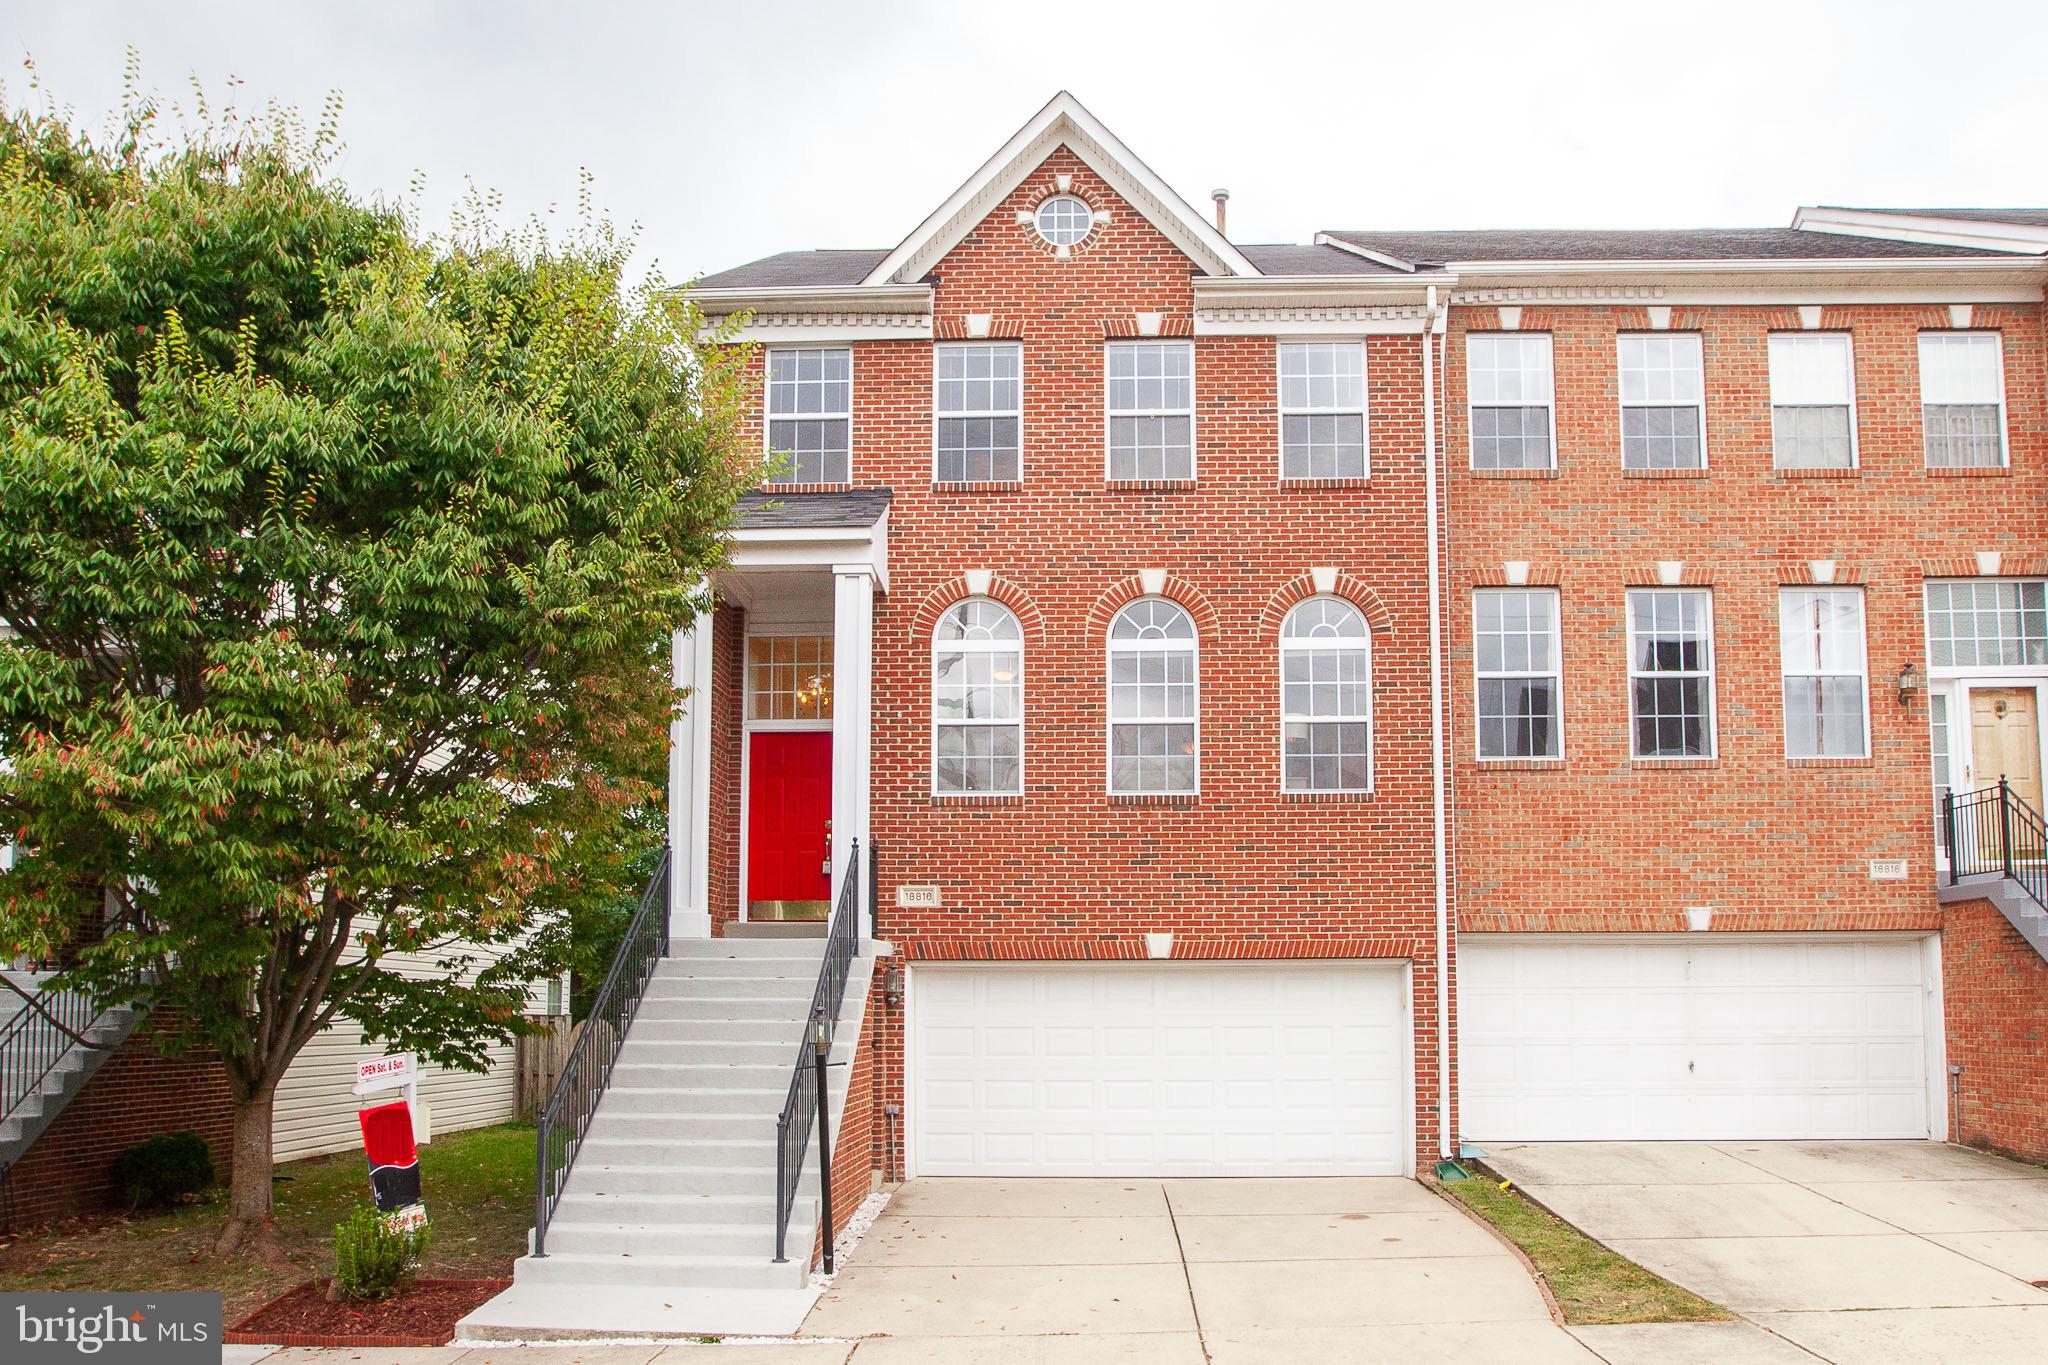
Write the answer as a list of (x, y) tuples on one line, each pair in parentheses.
[(1111, 648), (1713, 699), (1855, 418), (1364, 408), (1862, 674), (1297, 646), (1550, 403), (1556, 675), (769, 415), (938, 413), (1622, 405), (1023, 696), (1108, 411), (1998, 351)]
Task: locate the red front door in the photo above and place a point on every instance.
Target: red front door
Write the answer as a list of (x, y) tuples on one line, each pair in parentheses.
[(789, 816)]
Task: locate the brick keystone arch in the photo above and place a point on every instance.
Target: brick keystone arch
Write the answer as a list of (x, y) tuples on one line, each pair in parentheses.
[(1299, 589), (1174, 588), (961, 587)]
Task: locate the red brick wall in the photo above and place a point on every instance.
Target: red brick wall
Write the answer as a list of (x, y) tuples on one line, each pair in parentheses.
[(1604, 843), (1065, 870), (137, 1093), (857, 1146), (1996, 997), (728, 675)]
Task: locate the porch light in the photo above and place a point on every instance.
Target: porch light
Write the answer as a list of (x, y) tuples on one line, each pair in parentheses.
[(1911, 680)]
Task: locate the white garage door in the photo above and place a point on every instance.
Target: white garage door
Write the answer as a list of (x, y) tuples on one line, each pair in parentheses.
[(1160, 1069), (1575, 1038)]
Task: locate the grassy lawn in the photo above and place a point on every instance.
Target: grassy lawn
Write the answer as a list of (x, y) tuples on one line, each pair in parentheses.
[(479, 1191), (1592, 1284)]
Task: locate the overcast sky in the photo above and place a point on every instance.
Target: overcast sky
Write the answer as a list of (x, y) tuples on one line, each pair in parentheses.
[(731, 130)]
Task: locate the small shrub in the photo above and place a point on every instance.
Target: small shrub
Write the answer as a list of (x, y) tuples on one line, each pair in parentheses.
[(374, 1258), (161, 1170)]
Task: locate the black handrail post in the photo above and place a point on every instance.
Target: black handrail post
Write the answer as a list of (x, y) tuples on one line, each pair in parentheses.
[(2005, 824), (820, 1044), (540, 1185), (1948, 834), (853, 874), (781, 1186)]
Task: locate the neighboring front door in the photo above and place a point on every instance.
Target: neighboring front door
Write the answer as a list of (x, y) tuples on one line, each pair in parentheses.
[(2005, 741), (789, 824)]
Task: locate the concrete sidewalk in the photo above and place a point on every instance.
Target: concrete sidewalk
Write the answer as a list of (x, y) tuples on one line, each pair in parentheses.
[(1855, 1251)]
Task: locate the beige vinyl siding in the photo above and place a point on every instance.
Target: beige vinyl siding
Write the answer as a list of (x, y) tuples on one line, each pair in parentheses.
[(316, 1103)]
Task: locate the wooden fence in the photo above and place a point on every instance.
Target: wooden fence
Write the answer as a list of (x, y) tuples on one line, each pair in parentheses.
[(540, 1058)]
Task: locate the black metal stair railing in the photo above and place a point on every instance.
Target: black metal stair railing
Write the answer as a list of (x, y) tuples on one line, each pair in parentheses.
[(807, 1098), (39, 1036), (1995, 832), (565, 1118)]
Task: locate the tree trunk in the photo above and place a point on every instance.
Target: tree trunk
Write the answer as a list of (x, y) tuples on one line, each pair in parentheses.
[(249, 1217)]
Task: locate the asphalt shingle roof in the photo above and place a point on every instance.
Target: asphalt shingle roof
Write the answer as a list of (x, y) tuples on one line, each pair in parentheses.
[(1690, 244), (1287, 259), (853, 509), (798, 268), (2028, 217)]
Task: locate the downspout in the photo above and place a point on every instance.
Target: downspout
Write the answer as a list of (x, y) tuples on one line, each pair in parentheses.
[(1437, 778)]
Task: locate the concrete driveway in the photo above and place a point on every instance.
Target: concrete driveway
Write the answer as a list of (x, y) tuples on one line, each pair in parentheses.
[(1178, 1272), (1856, 1251)]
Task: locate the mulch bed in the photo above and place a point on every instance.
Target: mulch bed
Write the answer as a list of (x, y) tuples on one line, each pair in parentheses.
[(424, 1315)]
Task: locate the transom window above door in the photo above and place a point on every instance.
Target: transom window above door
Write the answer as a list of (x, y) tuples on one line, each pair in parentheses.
[(1987, 622), (789, 678)]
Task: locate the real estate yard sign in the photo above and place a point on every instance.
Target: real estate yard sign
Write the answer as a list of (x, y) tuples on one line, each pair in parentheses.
[(388, 1138)]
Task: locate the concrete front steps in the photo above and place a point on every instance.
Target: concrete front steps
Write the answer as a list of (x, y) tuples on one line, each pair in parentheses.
[(32, 1112), (667, 1224)]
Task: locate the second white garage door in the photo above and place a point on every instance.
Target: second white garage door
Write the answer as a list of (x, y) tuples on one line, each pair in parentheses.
[(1159, 1069), (1587, 1037)]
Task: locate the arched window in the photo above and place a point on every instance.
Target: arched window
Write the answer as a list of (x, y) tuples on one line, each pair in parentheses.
[(978, 700), (1152, 699), (1325, 698)]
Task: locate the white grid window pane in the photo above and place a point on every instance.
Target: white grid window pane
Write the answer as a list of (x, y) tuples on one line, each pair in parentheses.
[(810, 413), (979, 404), (1820, 644), (1671, 678), (977, 700), (1987, 622), (1661, 401), (1813, 397), (1064, 220), (1962, 399), (789, 677), (1325, 698), (1151, 407), (1516, 654), (1152, 699), (1322, 410), (1511, 392)]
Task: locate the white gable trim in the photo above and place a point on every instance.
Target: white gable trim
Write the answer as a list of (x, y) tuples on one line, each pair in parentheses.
[(1930, 229), (1063, 121)]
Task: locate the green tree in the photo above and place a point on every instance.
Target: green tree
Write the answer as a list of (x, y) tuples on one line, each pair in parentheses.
[(338, 564)]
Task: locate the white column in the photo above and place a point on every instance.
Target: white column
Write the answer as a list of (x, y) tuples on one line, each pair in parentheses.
[(689, 784), (853, 645)]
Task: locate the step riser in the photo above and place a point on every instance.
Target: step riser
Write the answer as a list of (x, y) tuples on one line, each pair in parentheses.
[(628, 1180), (636, 1077), (709, 1240), (561, 1270), (767, 968), (682, 1104), (647, 1030), (746, 1154), (687, 1009), (680, 1213), (686, 1127), (783, 990), (709, 1051)]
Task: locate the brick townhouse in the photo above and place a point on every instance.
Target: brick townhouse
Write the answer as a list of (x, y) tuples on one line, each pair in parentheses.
[(1304, 707)]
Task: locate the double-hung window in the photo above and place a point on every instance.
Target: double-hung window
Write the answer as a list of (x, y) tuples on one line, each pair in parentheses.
[(1322, 410), (1820, 646), (1671, 672), (1152, 699), (1325, 698), (977, 700), (1511, 397), (1987, 622), (979, 404), (1813, 400), (1515, 657), (810, 413), (1962, 399), (1663, 401), (1152, 410)]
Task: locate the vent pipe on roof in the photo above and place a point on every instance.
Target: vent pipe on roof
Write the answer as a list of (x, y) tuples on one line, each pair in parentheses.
[(1222, 197)]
